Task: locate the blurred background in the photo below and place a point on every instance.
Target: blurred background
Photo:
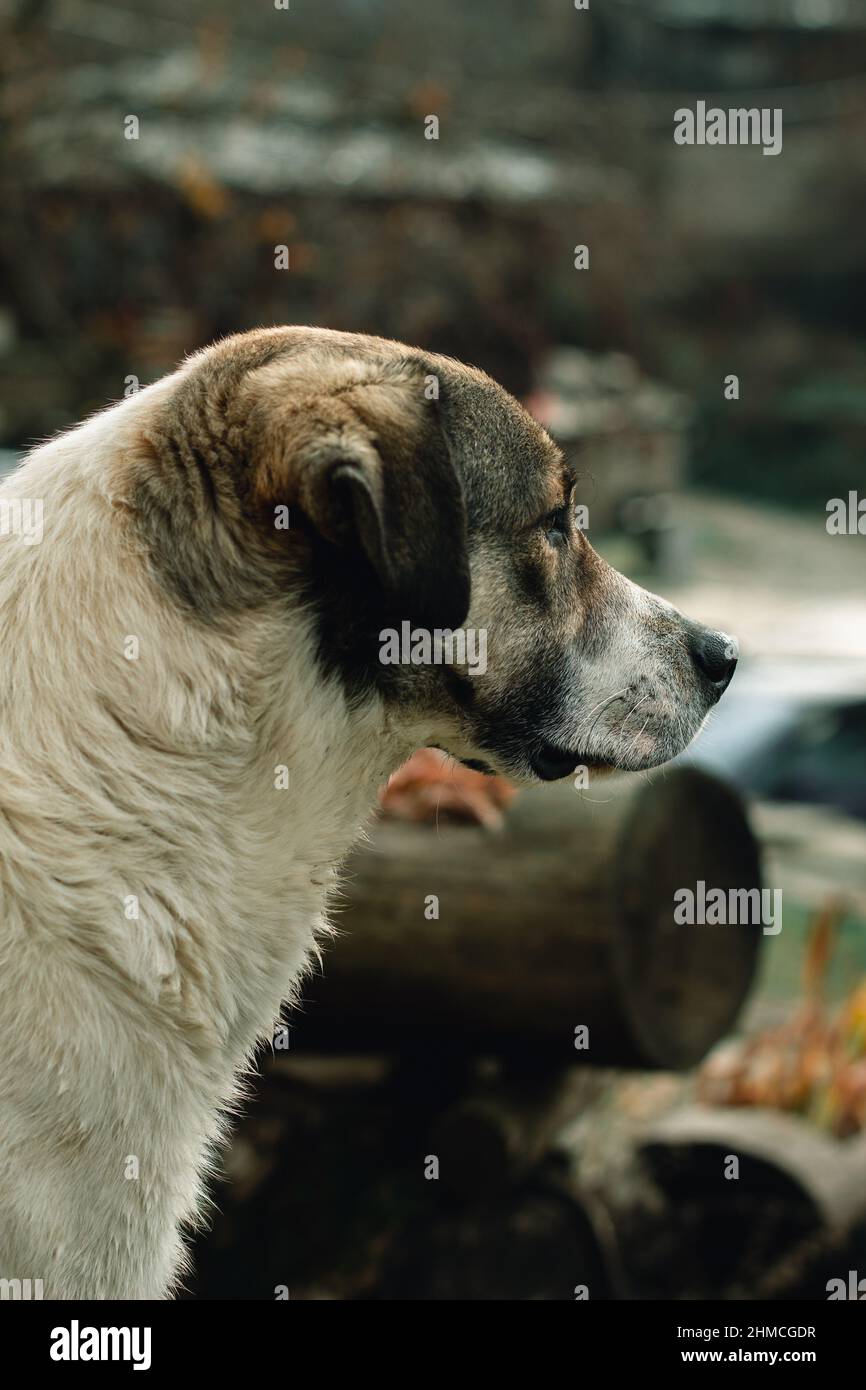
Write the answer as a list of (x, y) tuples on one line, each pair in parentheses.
[(258, 127)]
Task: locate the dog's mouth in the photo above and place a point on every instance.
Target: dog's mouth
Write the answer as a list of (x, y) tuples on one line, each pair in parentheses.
[(547, 762), (550, 763), (474, 764), (478, 765)]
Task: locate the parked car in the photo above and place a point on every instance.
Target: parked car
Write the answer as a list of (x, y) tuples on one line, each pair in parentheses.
[(792, 731)]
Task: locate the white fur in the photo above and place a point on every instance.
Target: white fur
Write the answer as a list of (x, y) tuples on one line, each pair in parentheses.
[(153, 778)]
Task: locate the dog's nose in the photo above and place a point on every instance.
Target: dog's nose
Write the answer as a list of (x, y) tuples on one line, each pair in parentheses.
[(714, 654)]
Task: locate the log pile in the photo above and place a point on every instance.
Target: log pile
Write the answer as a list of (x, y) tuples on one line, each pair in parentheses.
[(555, 938), (438, 1058)]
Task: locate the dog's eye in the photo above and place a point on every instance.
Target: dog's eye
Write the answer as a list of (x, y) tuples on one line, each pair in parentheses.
[(555, 526)]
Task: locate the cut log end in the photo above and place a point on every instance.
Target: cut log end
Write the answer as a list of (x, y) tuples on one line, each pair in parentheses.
[(682, 984)]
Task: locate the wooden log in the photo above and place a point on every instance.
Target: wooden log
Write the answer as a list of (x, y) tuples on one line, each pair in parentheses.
[(799, 1193), (778, 1153), (454, 938)]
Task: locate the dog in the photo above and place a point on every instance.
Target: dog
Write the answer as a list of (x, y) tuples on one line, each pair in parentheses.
[(195, 720)]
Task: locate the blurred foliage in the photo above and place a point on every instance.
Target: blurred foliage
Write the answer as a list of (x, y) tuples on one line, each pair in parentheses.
[(799, 463), (305, 128), (814, 1063)]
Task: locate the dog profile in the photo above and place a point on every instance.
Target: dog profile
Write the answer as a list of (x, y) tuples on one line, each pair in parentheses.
[(195, 720)]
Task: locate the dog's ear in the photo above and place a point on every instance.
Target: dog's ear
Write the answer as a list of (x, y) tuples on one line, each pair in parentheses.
[(360, 451)]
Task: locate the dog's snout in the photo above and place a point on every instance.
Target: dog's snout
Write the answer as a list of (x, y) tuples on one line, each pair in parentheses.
[(714, 654)]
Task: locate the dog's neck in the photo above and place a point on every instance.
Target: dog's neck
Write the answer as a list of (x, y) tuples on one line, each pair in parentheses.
[(289, 772), (316, 765)]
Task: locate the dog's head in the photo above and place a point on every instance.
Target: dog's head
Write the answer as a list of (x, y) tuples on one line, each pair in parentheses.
[(431, 526)]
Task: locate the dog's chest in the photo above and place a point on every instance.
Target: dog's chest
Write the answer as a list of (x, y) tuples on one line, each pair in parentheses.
[(304, 813)]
